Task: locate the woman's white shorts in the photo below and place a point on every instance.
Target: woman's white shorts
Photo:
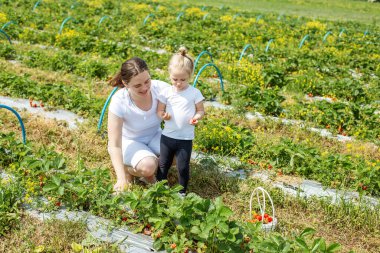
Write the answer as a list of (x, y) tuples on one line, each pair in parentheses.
[(135, 151)]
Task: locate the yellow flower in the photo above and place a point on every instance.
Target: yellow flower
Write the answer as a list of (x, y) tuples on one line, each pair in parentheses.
[(194, 11), (228, 129), (226, 18), (67, 35), (139, 7), (3, 17), (315, 25), (94, 3)]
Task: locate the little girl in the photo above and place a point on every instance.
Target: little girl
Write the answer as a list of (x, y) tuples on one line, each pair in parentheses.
[(181, 106)]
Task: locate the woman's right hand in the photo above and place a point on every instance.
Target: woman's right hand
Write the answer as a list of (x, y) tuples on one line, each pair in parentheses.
[(121, 185)]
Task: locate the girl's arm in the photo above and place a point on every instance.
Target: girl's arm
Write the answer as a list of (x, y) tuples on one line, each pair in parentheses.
[(115, 125), (161, 111), (199, 113)]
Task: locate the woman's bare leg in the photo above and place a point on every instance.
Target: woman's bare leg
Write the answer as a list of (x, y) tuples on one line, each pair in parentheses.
[(145, 168)]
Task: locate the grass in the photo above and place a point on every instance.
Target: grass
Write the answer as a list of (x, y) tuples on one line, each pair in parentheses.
[(338, 10), (33, 235)]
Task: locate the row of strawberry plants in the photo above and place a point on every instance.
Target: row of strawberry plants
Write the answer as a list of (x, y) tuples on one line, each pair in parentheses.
[(52, 94), (177, 225), (222, 137)]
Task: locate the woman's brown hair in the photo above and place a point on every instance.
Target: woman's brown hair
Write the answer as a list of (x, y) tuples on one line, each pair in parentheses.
[(129, 69)]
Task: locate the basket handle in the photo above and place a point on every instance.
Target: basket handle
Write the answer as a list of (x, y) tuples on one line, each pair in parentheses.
[(262, 207)]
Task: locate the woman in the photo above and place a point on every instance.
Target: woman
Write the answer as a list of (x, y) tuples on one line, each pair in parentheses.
[(133, 126)]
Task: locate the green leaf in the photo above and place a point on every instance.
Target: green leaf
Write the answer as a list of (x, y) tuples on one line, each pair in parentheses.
[(157, 245), (225, 211), (223, 227), (61, 190), (307, 231), (333, 247), (49, 187), (56, 180), (34, 164), (316, 244), (195, 230), (61, 162), (302, 243), (76, 247)]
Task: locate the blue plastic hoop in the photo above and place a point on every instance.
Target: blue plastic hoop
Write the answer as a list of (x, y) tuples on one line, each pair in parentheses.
[(105, 107), (103, 18), (8, 24), (179, 16), (36, 4), (6, 35), (217, 70), (199, 56), (303, 40), (245, 49), (236, 15), (19, 120), (147, 17), (325, 37), (341, 32), (268, 45), (63, 24)]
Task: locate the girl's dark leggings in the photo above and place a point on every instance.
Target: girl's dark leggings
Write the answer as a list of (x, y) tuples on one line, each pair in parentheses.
[(181, 149)]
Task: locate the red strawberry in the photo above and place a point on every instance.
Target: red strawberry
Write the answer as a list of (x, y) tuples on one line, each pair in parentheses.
[(173, 246), (194, 121), (147, 231), (270, 219), (57, 203)]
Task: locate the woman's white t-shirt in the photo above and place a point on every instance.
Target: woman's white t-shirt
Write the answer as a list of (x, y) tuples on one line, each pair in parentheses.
[(138, 125)]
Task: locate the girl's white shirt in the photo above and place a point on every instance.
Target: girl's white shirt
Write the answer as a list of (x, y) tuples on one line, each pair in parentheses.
[(181, 107), (138, 125)]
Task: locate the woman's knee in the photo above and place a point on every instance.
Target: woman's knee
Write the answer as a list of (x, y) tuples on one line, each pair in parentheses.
[(147, 166)]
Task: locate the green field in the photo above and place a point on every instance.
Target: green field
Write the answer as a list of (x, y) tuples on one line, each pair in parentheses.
[(338, 10)]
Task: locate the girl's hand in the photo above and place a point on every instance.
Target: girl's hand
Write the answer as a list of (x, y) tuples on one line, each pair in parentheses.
[(121, 185), (193, 122), (166, 116)]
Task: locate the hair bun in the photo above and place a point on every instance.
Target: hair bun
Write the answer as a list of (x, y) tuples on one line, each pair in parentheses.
[(182, 51)]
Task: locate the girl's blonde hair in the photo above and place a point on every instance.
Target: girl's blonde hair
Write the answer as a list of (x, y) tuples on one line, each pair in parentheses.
[(182, 61)]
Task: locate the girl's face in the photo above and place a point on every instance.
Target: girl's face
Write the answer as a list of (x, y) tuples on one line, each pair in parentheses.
[(179, 79), (140, 85)]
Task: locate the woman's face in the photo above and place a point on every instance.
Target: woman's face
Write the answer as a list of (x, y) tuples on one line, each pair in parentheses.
[(140, 85)]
